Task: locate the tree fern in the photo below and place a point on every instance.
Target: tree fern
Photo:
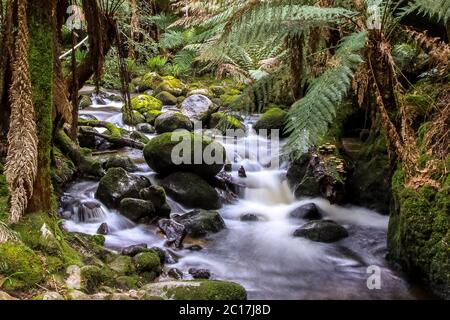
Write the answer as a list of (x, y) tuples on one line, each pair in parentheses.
[(310, 117), (439, 9)]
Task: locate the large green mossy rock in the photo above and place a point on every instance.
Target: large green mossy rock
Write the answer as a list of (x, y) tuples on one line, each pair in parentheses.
[(171, 121), (198, 290), (171, 85), (191, 190), (145, 103), (117, 185), (19, 266), (148, 265), (419, 232), (274, 119), (149, 81), (137, 209), (160, 151), (167, 98)]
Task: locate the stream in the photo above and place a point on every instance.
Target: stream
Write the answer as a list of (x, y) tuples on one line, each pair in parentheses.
[(263, 256)]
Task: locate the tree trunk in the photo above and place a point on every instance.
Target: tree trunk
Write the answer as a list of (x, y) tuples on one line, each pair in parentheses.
[(134, 26), (41, 59)]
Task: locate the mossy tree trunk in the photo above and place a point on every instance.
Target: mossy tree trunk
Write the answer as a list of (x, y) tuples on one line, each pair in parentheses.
[(41, 59)]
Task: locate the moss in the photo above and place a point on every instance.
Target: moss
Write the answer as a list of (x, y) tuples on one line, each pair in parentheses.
[(127, 282), (151, 116), (41, 70), (21, 267), (167, 98), (63, 169), (225, 122), (85, 102), (172, 85), (93, 277), (122, 265), (148, 265), (419, 231), (274, 119), (227, 100), (171, 121), (208, 290), (4, 194), (145, 103), (136, 119), (41, 232), (158, 154)]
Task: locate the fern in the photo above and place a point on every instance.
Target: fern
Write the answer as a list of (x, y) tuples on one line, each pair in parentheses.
[(439, 9), (310, 117)]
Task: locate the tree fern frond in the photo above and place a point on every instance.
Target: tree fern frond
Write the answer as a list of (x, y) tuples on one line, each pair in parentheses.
[(310, 117), (6, 234), (21, 162), (439, 9)]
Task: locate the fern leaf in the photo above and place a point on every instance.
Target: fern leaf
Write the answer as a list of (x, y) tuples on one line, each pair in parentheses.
[(310, 117)]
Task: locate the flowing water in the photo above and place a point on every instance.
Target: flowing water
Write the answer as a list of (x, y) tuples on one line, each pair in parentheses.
[(263, 256)]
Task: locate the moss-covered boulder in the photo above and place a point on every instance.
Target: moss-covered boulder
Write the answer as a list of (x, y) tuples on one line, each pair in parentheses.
[(198, 108), (134, 119), (85, 101), (419, 231), (225, 122), (137, 209), (199, 223), (171, 121), (167, 98), (151, 116), (198, 290), (117, 185), (123, 162), (93, 277), (274, 119), (217, 90), (172, 85), (191, 190), (145, 103), (148, 265), (157, 196), (171, 152), (122, 265), (19, 266), (149, 81)]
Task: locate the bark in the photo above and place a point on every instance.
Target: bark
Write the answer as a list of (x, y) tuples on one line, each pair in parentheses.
[(41, 59)]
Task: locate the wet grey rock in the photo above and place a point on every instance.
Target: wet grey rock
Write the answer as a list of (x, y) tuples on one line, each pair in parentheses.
[(137, 209), (250, 217), (191, 191), (306, 212), (86, 117), (103, 229), (198, 107), (242, 173), (200, 223), (117, 185), (200, 273), (195, 247), (157, 196), (145, 128), (322, 231), (134, 250), (174, 232), (175, 274), (123, 162)]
